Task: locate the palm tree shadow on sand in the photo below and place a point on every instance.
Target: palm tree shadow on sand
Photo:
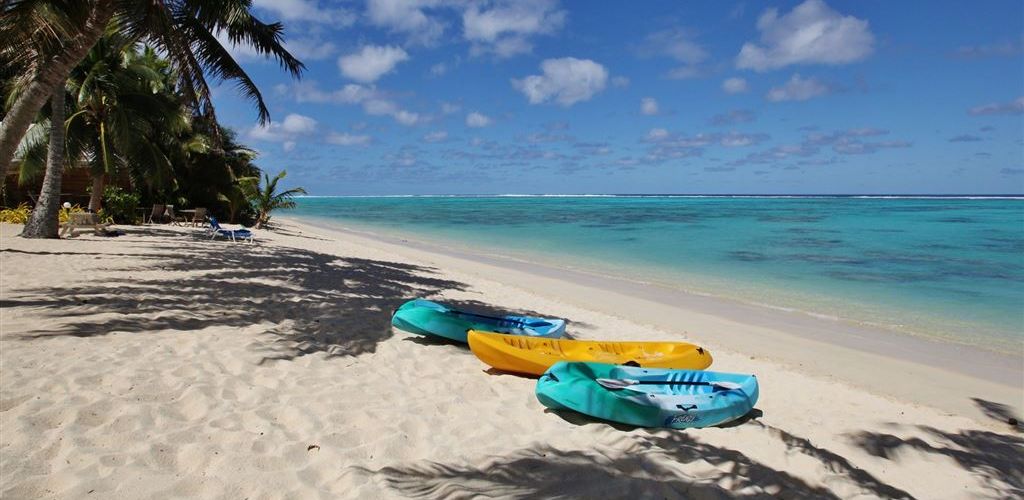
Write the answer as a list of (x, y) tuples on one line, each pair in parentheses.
[(653, 464), (644, 464), (996, 458), (304, 301)]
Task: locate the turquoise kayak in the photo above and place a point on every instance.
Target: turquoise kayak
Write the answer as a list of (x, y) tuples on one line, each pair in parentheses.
[(647, 397), (430, 318)]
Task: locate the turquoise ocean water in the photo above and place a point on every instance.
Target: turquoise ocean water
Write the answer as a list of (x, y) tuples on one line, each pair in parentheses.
[(947, 268)]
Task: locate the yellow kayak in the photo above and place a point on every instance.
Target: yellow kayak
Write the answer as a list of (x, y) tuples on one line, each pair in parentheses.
[(534, 355)]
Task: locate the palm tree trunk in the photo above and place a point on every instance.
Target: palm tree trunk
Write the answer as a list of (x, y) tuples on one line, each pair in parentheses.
[(43, 223), (49, 78), (96, 197)]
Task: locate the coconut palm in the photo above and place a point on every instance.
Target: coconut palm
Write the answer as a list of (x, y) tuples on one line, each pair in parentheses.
[(266, 199), (47, 39), (121, 98)]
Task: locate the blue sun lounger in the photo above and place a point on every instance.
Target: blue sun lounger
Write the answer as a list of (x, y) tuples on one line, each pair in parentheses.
[(234, 234)]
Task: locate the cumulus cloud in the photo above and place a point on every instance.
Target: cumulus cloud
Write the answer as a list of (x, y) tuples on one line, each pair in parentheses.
[(307, 10), (477, 120), (371, 62), (310, 48), (449, 108), (1014, 107), (665, 145), (657, 134), (677, 44), (504, 28), (738, 140), (439, 69), (293, 126), (854, 141), (812, 33), (797, 89), (649, 106), (438, 136), (735, 86), (566, 81), (374, 102), (408, 17), (346, 139)]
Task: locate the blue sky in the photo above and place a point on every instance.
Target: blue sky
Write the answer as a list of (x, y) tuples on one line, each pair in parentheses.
[(543, 96)]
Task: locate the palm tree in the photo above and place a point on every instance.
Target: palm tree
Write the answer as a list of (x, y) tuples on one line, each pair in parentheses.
[(237, 198), (49, 38), (266, 199), (121, 99), (44, 223)]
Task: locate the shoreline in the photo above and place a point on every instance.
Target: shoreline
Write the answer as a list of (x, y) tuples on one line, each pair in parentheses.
[(928, 370), (997, 344)]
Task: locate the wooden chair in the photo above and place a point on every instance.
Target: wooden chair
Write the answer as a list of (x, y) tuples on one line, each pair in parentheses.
[(199, 218), (171, 218), (82, 220), (157, 213)]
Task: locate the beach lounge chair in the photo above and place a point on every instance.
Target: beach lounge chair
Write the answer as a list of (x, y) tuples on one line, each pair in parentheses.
[(82, 220), (157, 213), (234, 234)]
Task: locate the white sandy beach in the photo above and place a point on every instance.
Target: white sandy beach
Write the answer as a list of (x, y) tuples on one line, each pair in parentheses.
[(163, 365)]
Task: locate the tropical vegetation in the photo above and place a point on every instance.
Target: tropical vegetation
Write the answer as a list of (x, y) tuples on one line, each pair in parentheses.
[(266, 198), (126, 83)]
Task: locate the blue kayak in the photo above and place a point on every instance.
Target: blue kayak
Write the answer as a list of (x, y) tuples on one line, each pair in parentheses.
[(430, 318), (648, 397)]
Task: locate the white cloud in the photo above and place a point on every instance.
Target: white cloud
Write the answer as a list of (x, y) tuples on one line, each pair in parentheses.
[(408, 17), (477, 120), (567, 81), (504, 28), (298, 124), (346, 139), (438, 136), (292, 126), (310, 48), (371, 62), (1014, 107), (449, 108), (304, 48), (288, 146), (373, 101), (811, 33), (406, 117), (620, 81), (657, 134), (797, 89), (677, 44), (307, 10), (735, 85), (439, 69), (649, 106)]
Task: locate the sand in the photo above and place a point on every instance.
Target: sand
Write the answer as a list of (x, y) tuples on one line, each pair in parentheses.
[(161, 364)]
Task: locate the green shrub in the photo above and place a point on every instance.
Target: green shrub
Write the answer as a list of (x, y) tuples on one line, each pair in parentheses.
[(120, 205)]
